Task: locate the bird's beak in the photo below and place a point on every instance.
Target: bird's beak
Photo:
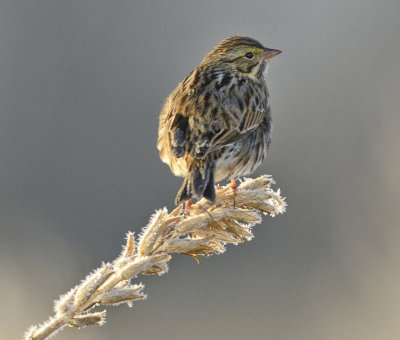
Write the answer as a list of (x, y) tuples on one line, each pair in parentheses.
[(269, 53)]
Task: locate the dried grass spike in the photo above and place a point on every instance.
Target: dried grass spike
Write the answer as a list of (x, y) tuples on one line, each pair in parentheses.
[(84, 320), (202, 233)]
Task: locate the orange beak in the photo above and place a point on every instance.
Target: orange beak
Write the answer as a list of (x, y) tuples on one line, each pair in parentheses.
[(269, 53)]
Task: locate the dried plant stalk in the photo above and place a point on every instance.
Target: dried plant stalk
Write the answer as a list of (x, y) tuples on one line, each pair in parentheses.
[(204, 231)]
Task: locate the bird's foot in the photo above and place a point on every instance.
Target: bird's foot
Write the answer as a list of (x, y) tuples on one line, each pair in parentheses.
[(188, 207), (202, 209)]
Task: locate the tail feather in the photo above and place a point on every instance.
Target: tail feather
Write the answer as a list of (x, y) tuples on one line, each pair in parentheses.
[(185, 193), (199, 182), (209, 191)]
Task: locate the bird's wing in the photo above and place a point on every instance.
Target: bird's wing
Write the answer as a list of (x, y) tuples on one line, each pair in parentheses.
[(231, 123), (244, 120), (250, 121)]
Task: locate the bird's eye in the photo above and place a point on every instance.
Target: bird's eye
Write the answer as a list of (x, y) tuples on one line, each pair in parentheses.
[(249, 55)]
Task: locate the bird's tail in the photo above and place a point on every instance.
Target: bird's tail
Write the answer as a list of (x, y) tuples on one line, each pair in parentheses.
[(198, 182)]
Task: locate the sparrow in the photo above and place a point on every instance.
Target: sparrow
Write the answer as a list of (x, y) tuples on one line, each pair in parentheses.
[(217, 122)]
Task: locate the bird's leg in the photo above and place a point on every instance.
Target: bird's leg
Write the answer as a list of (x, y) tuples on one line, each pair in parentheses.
[(188, 206), (233, 187)]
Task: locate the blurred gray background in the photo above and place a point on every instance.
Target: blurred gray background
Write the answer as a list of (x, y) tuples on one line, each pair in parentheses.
[(81, 86)]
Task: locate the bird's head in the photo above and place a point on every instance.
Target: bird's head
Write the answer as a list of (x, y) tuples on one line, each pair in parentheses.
[(243, 54)]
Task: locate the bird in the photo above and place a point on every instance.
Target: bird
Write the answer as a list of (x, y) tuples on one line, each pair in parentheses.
[(217, 122)]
